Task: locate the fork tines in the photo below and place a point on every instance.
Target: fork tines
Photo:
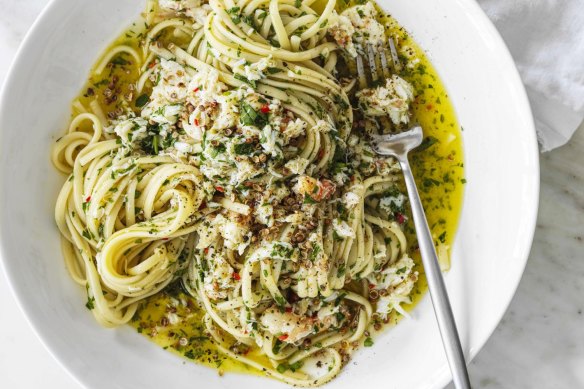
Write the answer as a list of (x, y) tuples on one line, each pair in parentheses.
[(379, 67)]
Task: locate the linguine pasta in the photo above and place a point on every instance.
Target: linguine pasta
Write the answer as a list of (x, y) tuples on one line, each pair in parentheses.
[(237, 164)]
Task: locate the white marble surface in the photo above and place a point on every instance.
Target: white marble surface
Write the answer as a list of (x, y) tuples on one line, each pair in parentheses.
[(538, 344)]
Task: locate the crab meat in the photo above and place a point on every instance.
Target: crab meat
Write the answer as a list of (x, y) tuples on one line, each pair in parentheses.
[(291, 328), (393, 99)]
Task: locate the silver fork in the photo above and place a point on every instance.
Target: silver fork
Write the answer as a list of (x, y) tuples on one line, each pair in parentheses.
[(398, 146)]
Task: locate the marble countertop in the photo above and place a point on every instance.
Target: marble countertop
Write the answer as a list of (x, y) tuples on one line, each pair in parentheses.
[(538, 344)]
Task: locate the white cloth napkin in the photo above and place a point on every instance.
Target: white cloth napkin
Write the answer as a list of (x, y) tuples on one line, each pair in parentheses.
[(546, 39)]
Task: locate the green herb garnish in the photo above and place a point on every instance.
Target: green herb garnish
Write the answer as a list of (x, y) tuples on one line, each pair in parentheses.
[(274, 70), (428, 142), (142, 100), (251, 117), (241, 77), (243, 148)]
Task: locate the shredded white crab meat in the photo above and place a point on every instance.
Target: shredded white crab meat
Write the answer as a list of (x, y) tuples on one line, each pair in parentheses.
[(397, 200), (232, 233), (290, 327), (297, 165), (351, 199), (255, 71), (131, 131), (323, 126), (393, 99), (219, 279), (364, 19), (343, 229), (398, 280), (294, 129), (191, 8), (356, 27), (342, 30)]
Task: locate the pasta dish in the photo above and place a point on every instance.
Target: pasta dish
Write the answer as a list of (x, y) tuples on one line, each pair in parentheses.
[(218, 161)]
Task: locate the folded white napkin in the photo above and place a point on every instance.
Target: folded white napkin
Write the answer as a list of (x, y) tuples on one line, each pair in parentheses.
[(546, 39)]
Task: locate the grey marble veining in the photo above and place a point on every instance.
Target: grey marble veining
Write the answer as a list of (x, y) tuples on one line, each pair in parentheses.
[(539, 344)]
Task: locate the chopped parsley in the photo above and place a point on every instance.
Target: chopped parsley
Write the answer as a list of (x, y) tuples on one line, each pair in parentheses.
[(190, 354), (283, 367), (90, 304), (142, 100), (241, 77), (428, 142), (277, 346), (442, 237), (315, 250), (234, 14), (243, 148), (274, 70), (282, 251), (309, 200), (120, 61), (251, 117)]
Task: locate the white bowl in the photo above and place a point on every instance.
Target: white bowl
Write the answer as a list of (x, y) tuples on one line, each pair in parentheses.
[(492, 244)]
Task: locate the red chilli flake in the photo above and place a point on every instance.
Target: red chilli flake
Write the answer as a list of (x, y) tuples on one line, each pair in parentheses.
[(196, 122), (88, 199), (152, 64), (265, 108), (220, 189), (288, 309), (400, 218), (164, 238), (283, 337), (206, 250), (236, 276), (196, 90)]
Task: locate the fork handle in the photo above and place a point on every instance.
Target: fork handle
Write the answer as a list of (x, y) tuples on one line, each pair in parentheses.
[(438, 293)]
